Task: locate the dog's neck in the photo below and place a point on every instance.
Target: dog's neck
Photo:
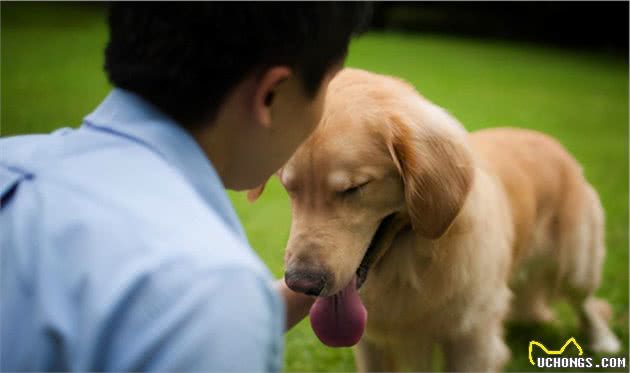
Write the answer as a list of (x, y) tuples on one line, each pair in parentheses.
[(407, 248)]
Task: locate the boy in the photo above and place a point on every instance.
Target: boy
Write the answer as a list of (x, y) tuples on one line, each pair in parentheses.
[(120, 249)]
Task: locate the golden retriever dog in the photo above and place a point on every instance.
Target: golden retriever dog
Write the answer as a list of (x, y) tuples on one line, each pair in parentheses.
[(415, 234)]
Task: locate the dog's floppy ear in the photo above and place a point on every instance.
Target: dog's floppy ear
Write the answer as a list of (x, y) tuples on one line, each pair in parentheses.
[(254, 194), (437, 173)]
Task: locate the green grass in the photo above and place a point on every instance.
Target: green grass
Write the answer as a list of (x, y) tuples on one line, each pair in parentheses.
[(52, 76)]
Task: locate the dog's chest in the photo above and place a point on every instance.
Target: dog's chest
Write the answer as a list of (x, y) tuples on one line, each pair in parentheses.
[(397, 292), (423, 285)]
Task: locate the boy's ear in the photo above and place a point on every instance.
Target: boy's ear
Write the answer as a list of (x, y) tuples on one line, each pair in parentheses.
[(265, 93)]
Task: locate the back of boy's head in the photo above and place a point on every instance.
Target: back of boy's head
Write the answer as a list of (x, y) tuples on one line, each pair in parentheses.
[(184, 58)]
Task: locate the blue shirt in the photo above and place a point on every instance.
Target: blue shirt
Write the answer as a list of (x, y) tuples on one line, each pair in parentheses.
[(121, 252)]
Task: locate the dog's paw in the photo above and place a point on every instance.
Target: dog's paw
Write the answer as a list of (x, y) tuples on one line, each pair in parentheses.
[(608, 344)]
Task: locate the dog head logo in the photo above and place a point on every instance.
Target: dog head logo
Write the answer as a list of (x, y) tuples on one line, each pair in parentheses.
[(553, 352)]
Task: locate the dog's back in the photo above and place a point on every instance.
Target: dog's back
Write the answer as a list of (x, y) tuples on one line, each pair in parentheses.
[(558, 220), (544, 184)]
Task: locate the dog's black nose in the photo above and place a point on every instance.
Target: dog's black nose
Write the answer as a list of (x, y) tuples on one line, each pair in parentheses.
[(307, 282)]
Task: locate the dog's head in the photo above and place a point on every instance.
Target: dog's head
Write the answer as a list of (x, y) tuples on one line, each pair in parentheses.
[(381, 159)]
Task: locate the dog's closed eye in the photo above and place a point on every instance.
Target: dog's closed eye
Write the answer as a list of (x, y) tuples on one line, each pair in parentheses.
[(353, 189)]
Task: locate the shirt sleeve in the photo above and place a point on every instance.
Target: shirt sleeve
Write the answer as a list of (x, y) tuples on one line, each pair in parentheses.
[(224, 320)]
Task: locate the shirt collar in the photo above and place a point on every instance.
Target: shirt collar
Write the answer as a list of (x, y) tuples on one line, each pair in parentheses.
[(124, 113)]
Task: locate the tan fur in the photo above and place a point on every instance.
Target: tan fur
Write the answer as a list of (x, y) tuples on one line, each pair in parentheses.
[(476, 214)]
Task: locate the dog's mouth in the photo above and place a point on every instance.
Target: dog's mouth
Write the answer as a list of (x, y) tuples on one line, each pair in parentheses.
[(374, 249), (339, 320)]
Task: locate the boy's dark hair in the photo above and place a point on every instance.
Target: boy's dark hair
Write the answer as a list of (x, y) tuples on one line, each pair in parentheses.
[(184, 58)]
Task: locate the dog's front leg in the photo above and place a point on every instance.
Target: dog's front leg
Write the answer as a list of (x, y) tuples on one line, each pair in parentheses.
[(480, 350), (373, 357)]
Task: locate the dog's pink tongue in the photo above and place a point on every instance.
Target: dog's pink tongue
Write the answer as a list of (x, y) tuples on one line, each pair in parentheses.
[(339, 320)]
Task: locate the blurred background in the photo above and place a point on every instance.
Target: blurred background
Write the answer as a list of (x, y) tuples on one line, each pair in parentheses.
[(595, 25), (557, 67)]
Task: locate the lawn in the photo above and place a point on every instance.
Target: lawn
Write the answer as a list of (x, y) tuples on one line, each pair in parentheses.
[(51, 70)]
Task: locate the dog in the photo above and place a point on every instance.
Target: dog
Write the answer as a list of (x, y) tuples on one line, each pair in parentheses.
[(415, 234)]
